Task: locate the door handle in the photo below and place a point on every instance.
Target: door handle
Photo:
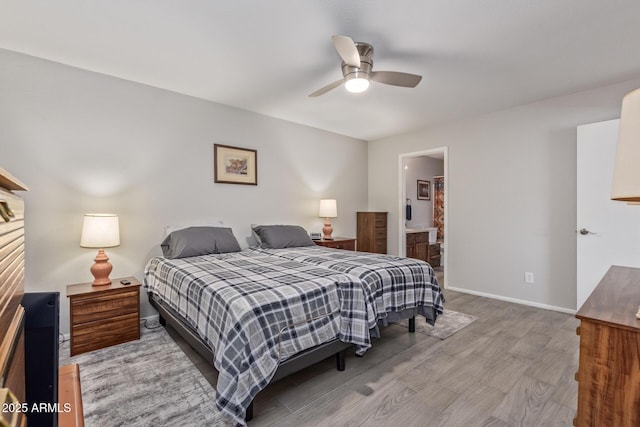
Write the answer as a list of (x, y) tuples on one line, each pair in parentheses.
[(584, 231)]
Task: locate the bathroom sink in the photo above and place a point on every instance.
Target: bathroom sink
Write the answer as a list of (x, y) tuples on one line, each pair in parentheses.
[(417, 229), (423, 229)]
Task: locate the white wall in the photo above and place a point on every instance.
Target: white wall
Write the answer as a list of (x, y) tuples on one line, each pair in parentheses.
[(511, 193), (421, 168), (85, 142)]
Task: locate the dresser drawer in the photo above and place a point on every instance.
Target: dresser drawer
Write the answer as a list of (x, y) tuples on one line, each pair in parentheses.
[(94, 308)]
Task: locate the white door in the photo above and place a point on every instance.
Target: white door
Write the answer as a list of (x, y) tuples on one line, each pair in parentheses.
[(608, 231)]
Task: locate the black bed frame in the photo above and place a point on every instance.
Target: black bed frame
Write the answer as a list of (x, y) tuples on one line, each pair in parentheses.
[(293, 364)]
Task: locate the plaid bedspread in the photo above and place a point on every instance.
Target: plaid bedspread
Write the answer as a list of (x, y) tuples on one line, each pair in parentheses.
[(255, 310), (395, 283)]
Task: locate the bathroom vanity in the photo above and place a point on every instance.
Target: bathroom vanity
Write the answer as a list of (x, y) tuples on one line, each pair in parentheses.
[(419, 246)]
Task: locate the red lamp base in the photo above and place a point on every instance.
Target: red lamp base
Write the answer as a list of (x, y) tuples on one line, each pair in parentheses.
[(327, 230), (101, 269)]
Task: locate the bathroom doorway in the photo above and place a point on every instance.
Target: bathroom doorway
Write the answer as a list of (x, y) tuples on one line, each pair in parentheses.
[(423, 208)]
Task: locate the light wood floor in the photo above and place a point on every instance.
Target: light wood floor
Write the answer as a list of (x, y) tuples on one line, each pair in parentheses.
[(514, 366)]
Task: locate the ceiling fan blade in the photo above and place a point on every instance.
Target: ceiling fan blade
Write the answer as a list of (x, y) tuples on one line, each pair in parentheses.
[(326, 88), (347, 50), (395, 78)]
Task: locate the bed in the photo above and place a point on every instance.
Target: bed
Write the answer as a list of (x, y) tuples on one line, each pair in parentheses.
[(260, 315), (400, 287)]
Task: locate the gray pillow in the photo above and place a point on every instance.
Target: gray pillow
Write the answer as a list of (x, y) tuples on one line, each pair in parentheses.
[(194, 241), (282, 236)]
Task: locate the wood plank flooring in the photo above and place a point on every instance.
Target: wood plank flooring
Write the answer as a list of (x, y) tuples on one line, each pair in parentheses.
[(514, 366)]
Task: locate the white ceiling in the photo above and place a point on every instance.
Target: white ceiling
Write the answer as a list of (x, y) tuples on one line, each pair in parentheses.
[(267, 56)]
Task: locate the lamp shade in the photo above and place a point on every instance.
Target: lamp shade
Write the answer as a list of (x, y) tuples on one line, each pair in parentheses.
[(100, 231), (626, 173), (328, 208)]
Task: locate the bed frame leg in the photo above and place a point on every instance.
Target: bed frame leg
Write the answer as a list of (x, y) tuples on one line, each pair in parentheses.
[(162, 321), (340, 360), (412, 324), (248, 416)]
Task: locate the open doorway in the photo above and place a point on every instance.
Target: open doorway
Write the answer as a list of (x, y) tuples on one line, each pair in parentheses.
[(423, 204)]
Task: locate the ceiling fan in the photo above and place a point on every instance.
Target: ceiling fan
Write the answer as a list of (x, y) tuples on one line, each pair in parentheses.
[(357, 69)]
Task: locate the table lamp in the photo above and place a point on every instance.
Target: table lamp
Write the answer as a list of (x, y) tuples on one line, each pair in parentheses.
[(100, 231), (328, 209), (626, 172)]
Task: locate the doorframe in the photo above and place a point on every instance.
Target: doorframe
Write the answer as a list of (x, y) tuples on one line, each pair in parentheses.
[(402, 245)]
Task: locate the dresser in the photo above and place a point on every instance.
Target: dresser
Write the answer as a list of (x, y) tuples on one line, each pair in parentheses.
[(12, 314), (609, 367), (102, 316), (371, 232)]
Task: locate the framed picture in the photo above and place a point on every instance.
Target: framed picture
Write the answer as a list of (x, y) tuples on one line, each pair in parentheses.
[(424, 190), (235, 165)]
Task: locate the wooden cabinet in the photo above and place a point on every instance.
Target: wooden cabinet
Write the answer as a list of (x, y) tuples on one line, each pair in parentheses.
[(418, 247), (609, 366), (102, 316), (433, 254), (372, 232), (345, 243), (12, 314)]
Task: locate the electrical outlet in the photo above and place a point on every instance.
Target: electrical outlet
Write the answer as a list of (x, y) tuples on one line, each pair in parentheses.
[(528, 277)]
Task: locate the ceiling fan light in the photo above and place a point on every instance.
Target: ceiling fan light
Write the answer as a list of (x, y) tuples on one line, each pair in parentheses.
[(356, 85)]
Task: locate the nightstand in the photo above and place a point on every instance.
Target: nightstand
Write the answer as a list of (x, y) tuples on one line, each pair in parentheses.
[(345, 243), (102, 316)]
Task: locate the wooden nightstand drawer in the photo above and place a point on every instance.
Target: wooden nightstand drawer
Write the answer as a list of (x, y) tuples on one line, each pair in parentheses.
[(338, 243), (96, 335), (91, 309), (347, 246)]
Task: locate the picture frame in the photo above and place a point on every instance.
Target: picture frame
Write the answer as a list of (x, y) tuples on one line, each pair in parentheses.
[(424, 190), (235, 165)]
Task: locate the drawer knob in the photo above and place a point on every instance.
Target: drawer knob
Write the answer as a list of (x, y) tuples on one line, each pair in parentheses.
[(578, 330), (576, 376)]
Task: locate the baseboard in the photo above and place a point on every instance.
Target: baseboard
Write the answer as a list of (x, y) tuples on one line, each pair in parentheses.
[(513, 300)]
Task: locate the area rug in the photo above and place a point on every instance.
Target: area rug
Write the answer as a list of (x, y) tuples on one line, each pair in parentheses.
[(149, 382), (446, 325)]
